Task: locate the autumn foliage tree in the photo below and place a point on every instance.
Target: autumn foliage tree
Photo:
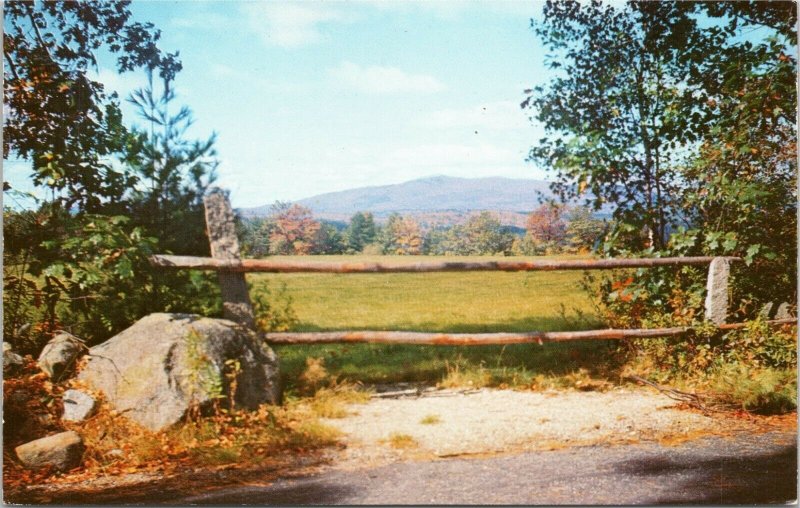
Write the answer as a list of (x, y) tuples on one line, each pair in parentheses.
[(546, 227), (294, 229), (402, 235)]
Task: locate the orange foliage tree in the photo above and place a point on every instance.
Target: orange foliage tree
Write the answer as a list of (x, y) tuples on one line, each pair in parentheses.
[(402, 236), (546, 226), (294, 229)]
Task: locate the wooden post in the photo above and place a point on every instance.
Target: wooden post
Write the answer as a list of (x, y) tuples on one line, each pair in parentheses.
[(225, 246), (717, 291)]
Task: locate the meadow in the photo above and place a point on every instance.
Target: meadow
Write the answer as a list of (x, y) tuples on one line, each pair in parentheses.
[(446, 302)]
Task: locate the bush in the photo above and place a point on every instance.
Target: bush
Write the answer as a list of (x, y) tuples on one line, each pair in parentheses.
[(272, 312), (753, 368), (760, 390), (90, 275)]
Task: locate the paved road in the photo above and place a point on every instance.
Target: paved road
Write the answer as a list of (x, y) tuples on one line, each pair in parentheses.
[(748, 469)]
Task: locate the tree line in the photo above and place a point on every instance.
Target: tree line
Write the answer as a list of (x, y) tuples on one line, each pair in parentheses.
[(291, 229)]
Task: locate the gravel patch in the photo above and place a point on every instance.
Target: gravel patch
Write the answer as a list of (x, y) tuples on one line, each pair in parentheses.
[(490, 421)]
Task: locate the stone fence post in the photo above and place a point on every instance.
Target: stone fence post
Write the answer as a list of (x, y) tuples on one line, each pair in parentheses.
[(717, 291), (224, 245)]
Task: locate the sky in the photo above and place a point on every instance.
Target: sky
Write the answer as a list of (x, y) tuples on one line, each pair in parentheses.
[(314, 97)]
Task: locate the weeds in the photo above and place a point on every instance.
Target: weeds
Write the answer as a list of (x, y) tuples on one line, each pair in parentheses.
[(431, 420), (401, 441), (753, 368)]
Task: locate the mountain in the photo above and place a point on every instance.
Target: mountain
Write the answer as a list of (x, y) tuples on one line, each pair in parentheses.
[(433, 196)]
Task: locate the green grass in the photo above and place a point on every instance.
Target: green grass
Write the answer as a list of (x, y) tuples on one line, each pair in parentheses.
[(447, 302)]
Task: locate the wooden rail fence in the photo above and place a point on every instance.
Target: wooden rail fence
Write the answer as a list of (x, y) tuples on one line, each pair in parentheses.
[(230, 268)]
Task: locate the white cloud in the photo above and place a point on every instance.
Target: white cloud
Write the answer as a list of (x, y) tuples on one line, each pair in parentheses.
[(123, 84), (201, 19), (288, 25), (454, 9), (501, 115), (384, 80)]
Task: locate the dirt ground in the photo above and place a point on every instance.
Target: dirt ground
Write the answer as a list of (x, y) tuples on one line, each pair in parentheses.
[(486, 422)]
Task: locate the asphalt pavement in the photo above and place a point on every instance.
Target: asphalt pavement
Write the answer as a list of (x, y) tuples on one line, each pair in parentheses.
[(745, 469)]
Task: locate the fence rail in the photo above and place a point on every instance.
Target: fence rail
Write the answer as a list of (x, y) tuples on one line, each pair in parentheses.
[(280, 266), (481, 339)]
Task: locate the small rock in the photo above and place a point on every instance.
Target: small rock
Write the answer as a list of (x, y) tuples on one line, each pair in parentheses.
[(78, 406), (60, 355), (116, 453), (62, 452), (11, 360), (783, 311), (765, 310)]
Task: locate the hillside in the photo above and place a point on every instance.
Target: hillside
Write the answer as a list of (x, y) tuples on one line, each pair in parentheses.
[(440, 196)]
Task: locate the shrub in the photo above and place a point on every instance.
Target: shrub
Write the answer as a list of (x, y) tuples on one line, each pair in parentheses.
[(752, 368), (273, 312), (90, 275)]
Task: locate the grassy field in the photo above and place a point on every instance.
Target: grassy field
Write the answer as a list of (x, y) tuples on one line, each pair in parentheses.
[(448, 302)]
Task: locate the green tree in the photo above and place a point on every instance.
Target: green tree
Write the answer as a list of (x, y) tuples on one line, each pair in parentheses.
[(616, 117), (173, 173), (480, 234), (76, 263), (253, 233), (65, 123), (329, 240), (485, 235), (740, 194), (583, 231), (361, 232), (682, 116)]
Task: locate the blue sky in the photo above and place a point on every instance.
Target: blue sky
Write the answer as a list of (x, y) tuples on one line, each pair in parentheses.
[(315, 97)]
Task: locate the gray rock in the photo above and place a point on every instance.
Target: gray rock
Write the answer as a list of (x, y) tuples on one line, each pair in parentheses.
[(62, 452), (766, 310), (11, 360), (78, 406), (164, 364), (60, 354), (784, 311)]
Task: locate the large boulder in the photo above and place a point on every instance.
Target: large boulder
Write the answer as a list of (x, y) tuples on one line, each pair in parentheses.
[(61, 452), (60, 355), (165, 364)]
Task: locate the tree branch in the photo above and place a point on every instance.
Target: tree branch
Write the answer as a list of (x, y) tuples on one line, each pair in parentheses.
[(29, 9), (12, 66)]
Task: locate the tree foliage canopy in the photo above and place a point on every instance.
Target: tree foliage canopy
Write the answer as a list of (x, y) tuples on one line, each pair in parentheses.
[(66, 123), (681, 115)]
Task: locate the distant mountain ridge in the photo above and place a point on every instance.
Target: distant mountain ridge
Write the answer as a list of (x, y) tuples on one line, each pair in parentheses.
[(434, 194)]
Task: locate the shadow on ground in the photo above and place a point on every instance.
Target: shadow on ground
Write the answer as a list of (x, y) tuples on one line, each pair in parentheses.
[(730, 479)]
